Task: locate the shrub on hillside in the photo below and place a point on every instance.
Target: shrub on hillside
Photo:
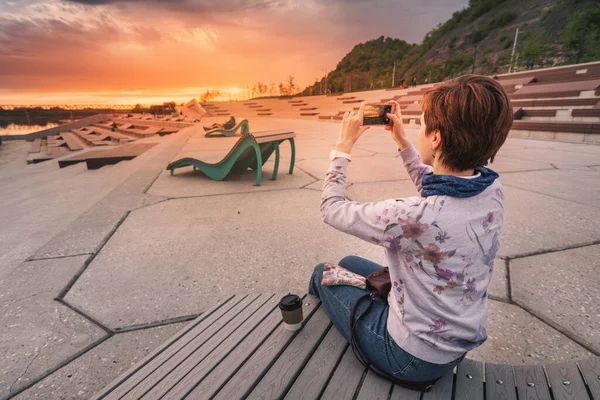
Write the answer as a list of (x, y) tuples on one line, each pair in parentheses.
[(504, 18), (478, 35)]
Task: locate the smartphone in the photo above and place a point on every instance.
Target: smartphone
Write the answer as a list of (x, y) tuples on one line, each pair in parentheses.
[(376, 114)]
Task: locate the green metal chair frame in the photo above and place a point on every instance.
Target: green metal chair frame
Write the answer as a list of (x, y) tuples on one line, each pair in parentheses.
[(246, 153), (243, 124)]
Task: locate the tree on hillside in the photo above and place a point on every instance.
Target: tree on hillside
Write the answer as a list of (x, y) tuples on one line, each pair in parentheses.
[(582, 35), (533, 51)]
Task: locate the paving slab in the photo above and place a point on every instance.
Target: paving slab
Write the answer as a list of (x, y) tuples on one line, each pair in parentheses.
[(504, 164), (536, 222), (86, 234), (187, 183), (37, 333), (556, 157), (562, 288), (95, 369), (516, 337), (174, 258), (567, 184)]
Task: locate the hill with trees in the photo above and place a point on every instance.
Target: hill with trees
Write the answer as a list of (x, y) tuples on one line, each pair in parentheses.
[(477, 39)]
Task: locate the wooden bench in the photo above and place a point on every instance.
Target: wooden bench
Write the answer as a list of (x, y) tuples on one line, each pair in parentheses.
[(547, 113), (239, 349), (36, 146), (565, 89), (565, 103), (560, 74), (96, 159), (586, 112), (556, 126), (72, 143)]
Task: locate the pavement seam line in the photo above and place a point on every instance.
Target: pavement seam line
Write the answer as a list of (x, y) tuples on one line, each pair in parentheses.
[(93, 320), (60, 365), (155, 324), (553, 250), (307, 173), (232, 194), (57, 257), (508, 282), (91, 258)]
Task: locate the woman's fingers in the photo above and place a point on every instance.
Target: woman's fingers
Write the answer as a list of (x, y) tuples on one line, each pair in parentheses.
[(394, 118), (395, 107), (361, 111)]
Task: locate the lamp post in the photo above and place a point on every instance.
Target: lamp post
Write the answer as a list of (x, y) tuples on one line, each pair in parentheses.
[(512, 55)]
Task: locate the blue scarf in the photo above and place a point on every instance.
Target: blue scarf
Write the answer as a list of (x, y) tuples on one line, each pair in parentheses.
[(448, 185)]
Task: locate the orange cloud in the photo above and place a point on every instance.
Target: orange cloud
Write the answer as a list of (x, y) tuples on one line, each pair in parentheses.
[(52, 49)]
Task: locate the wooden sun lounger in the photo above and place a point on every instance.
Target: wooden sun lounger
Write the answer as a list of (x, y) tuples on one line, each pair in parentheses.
[(250, 151), (239, 349), (243, 125)]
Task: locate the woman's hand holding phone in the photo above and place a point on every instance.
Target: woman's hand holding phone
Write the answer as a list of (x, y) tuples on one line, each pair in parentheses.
[(352, 129), (396, 127)]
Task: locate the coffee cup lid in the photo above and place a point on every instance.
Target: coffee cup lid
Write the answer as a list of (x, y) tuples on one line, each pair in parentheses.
[(290, 302)]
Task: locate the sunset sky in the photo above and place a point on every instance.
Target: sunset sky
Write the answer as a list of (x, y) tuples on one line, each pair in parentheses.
[(128, 51)]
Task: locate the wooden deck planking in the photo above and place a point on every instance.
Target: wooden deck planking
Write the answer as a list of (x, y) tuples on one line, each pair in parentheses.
[(400, 393), (442, 390), (500, 382), (374, 387), (260, 362), (218, 377), (320, 367), (203, 365), (566, 382), (345, 379), (289, 364), (469, 380), (531, 382), (590, 369)]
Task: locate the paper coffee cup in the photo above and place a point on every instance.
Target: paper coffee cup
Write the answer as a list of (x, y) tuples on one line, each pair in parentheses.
[(291, 312)]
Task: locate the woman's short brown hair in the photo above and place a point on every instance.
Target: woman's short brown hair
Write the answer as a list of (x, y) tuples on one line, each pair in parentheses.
[(473, 114)]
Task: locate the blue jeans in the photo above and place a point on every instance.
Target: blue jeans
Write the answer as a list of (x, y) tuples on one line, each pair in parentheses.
[(372, 337)]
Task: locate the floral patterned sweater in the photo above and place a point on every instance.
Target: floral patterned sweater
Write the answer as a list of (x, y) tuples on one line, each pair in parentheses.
[(440, 251)]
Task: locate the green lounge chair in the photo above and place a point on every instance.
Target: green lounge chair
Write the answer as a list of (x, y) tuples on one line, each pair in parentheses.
[(245, 127), (250, 151)]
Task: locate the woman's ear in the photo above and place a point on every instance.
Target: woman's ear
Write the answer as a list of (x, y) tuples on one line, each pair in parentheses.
[(436, 141)]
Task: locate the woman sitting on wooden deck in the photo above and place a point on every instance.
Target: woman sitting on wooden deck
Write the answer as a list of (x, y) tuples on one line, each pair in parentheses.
[(440, 246)]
